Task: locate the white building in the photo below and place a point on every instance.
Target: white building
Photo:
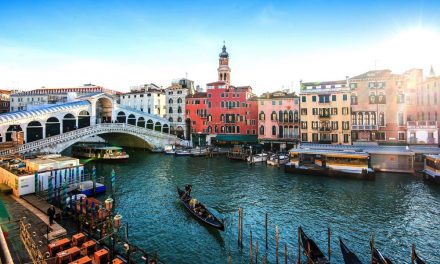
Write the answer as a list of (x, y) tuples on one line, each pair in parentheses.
[(175, 104), (28, 100), (148, 98)]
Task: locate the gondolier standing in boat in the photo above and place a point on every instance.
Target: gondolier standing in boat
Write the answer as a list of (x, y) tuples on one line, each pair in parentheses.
[(188, 188)]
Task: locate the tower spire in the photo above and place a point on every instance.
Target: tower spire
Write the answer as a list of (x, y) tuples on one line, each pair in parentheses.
[(223, 66), (431, 72)]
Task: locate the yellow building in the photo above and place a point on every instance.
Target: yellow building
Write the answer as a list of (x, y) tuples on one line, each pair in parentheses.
[(325, 112)]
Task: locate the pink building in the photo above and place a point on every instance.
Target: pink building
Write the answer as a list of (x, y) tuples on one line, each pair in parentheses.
[(278, 119)]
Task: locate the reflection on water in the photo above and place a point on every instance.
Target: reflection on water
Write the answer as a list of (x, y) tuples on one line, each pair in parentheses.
[(397, 209)]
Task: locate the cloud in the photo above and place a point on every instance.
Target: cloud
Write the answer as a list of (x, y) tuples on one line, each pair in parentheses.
[(269, 15)]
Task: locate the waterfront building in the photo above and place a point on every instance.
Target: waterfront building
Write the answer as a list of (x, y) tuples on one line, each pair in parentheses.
[(175, 104), (196, 115), (232, 110), (278, 119), (40, 98), (5, 98), (148, 98), (423, 121), (325, 112), (32, 175), (380, 101)]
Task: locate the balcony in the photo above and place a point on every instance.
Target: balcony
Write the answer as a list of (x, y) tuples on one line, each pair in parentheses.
[(364, 127), (324, 115), (325, 129), (414, 140), (421, 124)]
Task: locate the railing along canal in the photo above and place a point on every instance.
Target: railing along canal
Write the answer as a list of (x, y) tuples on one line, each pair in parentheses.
[(87, 131)]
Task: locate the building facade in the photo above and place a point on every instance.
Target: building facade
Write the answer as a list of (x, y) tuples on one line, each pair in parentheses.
[(278, 118), (5, 99), (175, 105), (423, 115), (325, 112), (196, 114), (148, 98), (33, 99), (380, 101)]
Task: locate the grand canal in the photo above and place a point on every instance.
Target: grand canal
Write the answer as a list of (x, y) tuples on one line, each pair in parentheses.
[(397, 209)]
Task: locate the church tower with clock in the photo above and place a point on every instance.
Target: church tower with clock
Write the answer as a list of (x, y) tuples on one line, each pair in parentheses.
[(224, 72)]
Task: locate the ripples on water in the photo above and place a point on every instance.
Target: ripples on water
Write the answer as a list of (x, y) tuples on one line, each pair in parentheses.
[(397, 209)]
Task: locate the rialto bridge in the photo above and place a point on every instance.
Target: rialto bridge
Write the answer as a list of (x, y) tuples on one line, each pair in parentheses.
[(54, 128)]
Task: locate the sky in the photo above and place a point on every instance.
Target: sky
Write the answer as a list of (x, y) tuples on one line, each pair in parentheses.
[(272, 44)]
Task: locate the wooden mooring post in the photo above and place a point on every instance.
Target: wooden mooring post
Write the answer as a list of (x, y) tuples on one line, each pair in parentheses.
[(266, 231), (251, 258), (328, 243), (239, 225), (276, 243), (256, 252), (299, 247), (285, 253)]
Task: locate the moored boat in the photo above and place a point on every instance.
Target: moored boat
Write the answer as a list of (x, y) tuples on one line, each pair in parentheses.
[(199, 152), (277, 159), (198, 210), (349, 257), (86, 187), (377, 257), (261, 157), (431, 169), (170, 150), (333, 163), (311, 250), (99, 152), (183, 152)]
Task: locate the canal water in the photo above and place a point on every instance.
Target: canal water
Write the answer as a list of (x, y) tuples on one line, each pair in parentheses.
[(396, 208)]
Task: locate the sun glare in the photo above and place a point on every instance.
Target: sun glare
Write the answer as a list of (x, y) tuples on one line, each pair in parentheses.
[(417, 47)]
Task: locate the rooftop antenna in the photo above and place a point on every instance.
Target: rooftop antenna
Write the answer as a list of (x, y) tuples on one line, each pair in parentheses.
[(186, 75)]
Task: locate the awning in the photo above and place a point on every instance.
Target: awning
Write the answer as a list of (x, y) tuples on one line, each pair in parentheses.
[(237, 138)]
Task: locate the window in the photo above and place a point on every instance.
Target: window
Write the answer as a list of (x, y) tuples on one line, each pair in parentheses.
[(346, 138), (324, 98), (304, 137), (400, 118), (344, 97), (273, 116), (303, 99), (262, 116), (345, 125), (170, 101), (303, 125), (314, 98), (334, 138), (345, 110), (303, 111), (314, 111), (400, 98), (222, 104), (333, 97), (179, 100), (401, 135), (381, 119), (314, 137), (334, 111), (222, 95), (280, 102), (274, 130), (354, 100), (273, 102), (314, 124), (261, 102), (170, 110), (261, 130)]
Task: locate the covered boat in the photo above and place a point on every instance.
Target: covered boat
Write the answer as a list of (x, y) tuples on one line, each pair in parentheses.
[(198, 210), (349, 257), (276, 160), (261, 157), (311, 250)]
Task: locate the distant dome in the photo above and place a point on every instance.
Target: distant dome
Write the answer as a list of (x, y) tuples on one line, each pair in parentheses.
[(224, 54)]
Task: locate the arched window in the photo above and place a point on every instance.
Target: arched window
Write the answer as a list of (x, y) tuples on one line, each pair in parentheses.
[(179, 110), (222, 117), (290, 116), (286, 116), (179, 100), (353, 119), (274, 130), (280, 116), (273, 116), (222, 104), (209, 129), (262, 116), (261, 130), (360, 119), (238, 129), (295, 116), (423, 116), (381, 119), (367, 119), (170, 119), (179, 119), (373, 118), (170, 110), (170, 101)]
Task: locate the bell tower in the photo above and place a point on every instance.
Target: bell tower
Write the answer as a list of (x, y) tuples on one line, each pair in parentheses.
[(224, 72)]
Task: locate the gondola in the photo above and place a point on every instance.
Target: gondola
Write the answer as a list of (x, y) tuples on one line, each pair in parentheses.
[(377, 257), (415, 258), (349, 257), (206, 217), (311, 250)]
